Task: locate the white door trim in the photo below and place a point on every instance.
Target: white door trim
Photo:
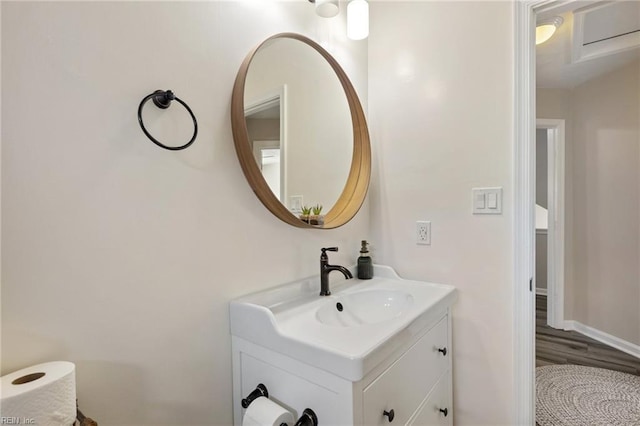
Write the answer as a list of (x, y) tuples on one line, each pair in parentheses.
[(269, 99), (524, 196), (555, 234), (523, 193), (524, 122)]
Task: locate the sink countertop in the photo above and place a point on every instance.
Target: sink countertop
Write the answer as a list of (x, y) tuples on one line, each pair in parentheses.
[(283, 319)]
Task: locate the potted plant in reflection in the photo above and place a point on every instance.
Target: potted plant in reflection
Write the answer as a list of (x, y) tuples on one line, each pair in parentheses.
[(306, 212), (316, 218)]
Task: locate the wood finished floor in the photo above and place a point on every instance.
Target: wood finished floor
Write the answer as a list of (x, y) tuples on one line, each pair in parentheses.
[(570, 347)]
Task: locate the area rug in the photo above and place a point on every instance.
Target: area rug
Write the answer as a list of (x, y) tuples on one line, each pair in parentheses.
[(573, 395)]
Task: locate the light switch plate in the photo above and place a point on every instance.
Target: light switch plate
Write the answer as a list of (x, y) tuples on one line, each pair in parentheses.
[(487, 200), (295, 204)]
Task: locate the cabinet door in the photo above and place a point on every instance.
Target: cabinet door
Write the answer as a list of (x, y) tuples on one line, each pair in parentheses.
[(295, 392), (407, 382), (437, 409)]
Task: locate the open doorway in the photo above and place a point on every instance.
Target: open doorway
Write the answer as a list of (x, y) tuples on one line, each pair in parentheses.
[(587, 74), (606, 50), (549, 218)]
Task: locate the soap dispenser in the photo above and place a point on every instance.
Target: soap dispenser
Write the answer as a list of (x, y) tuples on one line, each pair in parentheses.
[(365, 264)]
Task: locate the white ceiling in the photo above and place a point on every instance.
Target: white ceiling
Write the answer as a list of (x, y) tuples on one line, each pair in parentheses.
[(554, 65)]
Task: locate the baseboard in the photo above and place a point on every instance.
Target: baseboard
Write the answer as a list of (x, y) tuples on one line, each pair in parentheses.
[(541, 291), (601, 336)]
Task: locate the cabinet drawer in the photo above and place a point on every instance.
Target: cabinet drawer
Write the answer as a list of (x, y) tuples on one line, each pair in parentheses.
[(408, 381), (430, 413)]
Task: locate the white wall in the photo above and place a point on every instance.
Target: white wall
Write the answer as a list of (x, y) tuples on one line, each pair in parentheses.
[(606, 201), (118, 255), (541, 260), (541, 200), (542, 153), (440, 90)]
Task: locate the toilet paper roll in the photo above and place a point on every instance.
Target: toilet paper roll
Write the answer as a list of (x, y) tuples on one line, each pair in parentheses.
[(43, 395), (264, 412)]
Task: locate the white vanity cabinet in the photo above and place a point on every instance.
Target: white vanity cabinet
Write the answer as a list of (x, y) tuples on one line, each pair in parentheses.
[(371, 347), (413, 382)]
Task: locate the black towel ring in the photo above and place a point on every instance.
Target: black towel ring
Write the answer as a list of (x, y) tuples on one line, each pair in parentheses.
[(162, 99)]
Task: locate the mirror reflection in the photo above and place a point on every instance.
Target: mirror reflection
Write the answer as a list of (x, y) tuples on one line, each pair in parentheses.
[(299, 124), (263, 124)]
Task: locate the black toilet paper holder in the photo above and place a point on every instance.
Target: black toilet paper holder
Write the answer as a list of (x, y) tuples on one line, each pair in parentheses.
[(308, 417), (260, 390)]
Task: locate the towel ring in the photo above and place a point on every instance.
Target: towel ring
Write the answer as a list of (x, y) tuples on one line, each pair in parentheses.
[(162, 99)]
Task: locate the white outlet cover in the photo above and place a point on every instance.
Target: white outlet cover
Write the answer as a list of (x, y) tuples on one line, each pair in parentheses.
[(423, 232)]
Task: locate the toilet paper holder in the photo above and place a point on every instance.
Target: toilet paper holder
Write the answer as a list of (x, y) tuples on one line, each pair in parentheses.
[(260, 390), (308, 417)]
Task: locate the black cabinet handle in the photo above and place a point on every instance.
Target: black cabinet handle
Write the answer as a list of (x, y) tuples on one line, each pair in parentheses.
[(443, 350), (389, 414), (444, 411)]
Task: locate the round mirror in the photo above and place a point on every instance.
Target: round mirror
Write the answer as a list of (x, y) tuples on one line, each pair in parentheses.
[(300, 133)]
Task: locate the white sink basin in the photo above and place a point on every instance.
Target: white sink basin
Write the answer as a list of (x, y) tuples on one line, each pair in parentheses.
[(364, 307), (377, 316)]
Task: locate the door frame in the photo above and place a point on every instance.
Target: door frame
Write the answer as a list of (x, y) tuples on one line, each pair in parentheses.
[(524, 122), (556, 213), (267, 100)]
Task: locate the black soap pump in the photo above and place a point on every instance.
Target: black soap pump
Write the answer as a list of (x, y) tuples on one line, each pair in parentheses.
[(365, 264)]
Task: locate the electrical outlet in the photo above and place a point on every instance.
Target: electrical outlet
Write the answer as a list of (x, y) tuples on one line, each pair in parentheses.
[(423, 232)]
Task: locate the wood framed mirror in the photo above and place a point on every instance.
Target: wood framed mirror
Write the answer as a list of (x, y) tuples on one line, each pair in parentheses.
[(300, 132)]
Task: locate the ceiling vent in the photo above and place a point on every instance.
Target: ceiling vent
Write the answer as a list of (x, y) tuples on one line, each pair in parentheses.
[(605, 29)]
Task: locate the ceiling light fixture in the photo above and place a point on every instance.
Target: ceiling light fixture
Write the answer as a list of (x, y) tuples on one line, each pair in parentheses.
[(358, 19), (546, 29), (326, 8)]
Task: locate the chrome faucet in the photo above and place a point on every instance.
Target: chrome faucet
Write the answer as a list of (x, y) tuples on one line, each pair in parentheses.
[(325, 268)]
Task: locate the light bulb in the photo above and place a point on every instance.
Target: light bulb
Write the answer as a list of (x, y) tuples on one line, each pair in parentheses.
[(358, 19)]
